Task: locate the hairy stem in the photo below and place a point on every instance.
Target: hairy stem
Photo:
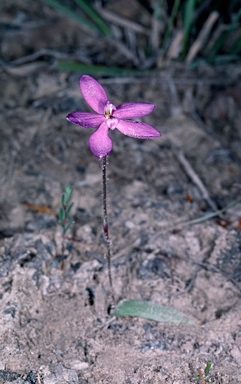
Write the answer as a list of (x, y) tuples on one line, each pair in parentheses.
[(105, 224)]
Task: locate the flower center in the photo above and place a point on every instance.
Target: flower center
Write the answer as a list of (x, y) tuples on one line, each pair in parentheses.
[(109, 108), (111, 121)]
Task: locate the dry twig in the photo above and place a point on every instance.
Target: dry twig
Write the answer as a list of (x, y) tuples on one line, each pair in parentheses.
[(202, 37), (123, 22), (194, 176)]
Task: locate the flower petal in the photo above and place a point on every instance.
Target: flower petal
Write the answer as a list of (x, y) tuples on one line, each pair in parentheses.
[(100, 142), (137, 129), (133, 110), (112, 123), (93, 93), (85, 119)]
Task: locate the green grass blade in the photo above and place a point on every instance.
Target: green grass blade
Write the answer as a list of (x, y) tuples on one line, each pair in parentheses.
[(97, 69), (170, 24), (71, 14), (68, 209), (67, 193), (207, 368), (157, 6), (61, 215), (230, 28), (152, 311), (236, 47), (188, 17), (236, 18), (217, 46), (66, 227), (91, 12), (225, 59)]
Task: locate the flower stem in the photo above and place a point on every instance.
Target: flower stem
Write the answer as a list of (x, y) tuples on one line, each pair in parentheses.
[(105, 224)]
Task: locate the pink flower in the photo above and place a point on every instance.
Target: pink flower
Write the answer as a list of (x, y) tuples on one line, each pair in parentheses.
[(109, 116)]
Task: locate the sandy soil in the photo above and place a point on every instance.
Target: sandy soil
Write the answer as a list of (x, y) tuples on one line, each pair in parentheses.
[(54, 325)]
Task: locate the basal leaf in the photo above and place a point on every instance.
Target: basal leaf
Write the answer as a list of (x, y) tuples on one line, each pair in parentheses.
[(152, 311)]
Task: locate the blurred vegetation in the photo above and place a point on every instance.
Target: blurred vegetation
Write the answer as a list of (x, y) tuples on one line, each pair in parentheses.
[(87, 16), (190, 18), (187, 31)]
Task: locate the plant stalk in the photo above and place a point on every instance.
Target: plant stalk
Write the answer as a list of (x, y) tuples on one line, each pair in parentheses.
[(105, 225)]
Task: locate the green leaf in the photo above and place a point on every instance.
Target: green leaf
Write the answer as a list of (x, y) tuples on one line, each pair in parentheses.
[(66, 227), (68, 193), (98, 69), (61, 216), (224, 59), (218, 45), (63, 201), (104, 28), (152, 311), (68, 209), (66, 196), (188, 20), (170, 24), (207, 368), (71, 14)]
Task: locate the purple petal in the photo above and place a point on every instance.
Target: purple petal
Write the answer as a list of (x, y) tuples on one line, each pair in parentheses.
[(85, 119), (137, 129), (100, 142), (93, 93), (112, 123), (133, 110)]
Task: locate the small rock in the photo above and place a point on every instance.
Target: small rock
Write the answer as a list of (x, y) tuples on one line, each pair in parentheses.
[(236, 353)]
